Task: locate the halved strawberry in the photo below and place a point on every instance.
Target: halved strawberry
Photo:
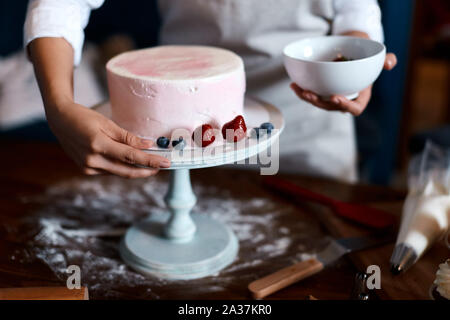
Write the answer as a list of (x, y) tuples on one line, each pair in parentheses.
[(204, 135), (234, 130)]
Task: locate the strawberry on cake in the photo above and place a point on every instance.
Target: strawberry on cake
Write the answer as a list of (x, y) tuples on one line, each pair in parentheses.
[(156, 91)]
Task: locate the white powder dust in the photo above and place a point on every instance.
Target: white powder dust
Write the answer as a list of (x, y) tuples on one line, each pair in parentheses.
[(80, 222)]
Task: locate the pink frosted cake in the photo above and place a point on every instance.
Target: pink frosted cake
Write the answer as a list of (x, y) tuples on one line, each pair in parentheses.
[(156, 91)]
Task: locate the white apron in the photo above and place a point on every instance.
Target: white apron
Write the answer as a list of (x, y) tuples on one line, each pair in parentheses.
[(315, 142)]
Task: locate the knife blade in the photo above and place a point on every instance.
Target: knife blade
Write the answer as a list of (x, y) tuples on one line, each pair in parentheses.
[(333, 251), (339, 247)]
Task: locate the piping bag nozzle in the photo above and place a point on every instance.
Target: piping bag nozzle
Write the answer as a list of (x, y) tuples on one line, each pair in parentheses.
[(402, 258)]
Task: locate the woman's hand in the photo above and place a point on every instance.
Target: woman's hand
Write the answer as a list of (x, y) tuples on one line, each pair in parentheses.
[(338, 102), (98, 145)]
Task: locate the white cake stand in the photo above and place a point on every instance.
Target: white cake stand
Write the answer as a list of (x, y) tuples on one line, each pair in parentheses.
[(181, 245)]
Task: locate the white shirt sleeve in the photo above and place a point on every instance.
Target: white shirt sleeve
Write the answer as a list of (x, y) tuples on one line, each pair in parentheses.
[(360, 15), (59, 18)]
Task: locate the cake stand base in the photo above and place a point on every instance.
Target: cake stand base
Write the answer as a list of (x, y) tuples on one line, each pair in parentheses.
[(178, 245), (146, 249)]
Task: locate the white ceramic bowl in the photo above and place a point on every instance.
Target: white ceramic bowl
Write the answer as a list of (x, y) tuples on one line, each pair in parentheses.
[(309, 63)]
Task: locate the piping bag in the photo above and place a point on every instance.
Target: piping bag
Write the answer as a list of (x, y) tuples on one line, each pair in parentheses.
[(426, 211)]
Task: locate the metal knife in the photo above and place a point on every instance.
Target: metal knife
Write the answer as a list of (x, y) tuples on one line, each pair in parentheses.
[(335, 249)]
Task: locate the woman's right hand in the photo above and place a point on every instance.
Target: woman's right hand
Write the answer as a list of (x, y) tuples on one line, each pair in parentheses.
[(98, 145)]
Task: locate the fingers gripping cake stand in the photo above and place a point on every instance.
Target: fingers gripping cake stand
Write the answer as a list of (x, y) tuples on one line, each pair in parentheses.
[(181, 245)]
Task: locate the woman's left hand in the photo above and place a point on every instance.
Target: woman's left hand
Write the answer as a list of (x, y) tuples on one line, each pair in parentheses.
[(340, 103)]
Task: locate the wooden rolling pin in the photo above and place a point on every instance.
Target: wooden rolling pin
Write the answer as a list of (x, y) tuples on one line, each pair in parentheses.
[(44, 293)]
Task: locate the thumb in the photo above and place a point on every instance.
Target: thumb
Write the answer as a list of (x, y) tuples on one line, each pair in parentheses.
[(390, 61), (123, 136)]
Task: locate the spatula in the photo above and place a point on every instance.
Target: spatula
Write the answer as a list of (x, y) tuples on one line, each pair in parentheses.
[(335, 249), (364, 215)]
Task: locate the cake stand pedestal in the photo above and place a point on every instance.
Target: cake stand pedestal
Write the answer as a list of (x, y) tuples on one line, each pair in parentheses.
[(181, 245)]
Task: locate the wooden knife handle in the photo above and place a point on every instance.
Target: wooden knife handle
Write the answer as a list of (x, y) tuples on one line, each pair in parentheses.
[(282, 278), (44, 293)]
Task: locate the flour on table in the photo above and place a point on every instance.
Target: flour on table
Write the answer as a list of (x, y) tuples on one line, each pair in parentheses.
[(81, 221)]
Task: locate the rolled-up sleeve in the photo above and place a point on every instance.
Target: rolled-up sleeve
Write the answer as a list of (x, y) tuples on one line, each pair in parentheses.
[(59, 18), (360, 15)]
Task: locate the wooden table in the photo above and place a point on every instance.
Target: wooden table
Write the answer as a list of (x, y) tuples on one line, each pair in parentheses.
[(28, 170)]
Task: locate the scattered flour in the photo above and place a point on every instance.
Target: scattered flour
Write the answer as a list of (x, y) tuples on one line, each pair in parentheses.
[(305, 256), (80, 222), (276, 247)]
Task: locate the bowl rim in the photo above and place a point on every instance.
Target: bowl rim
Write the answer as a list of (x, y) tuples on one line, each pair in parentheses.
[(381, 51)]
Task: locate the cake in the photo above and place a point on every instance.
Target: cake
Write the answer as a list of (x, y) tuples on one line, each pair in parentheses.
[(153, 92)]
